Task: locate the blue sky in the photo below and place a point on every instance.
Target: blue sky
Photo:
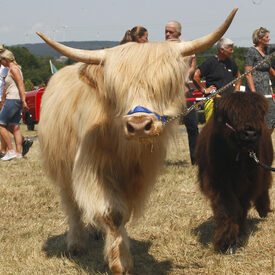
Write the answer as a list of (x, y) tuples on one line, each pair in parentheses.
[(81, 20)]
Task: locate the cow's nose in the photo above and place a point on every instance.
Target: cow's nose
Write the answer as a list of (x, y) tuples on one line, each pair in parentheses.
[(249, 135), (140, 126)]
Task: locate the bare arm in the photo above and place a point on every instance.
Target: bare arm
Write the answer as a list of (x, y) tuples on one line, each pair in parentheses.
[(249, 79), (238, 83), (272, 72), (3, 97), (192, 67), (197, 79), (197, 82), (19, 81)]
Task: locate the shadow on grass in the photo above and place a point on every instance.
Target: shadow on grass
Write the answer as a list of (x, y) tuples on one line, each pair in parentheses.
[(206, 230), (177, 163), (92, 262)]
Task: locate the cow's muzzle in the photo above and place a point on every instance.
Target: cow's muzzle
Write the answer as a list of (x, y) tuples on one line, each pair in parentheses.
[(248, 138), (249, 135), (142, 126)]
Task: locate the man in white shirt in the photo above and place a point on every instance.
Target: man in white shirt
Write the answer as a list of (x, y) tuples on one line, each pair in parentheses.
[(173, 32)]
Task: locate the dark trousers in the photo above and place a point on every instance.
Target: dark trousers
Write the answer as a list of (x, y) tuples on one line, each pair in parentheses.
[(191, 124)]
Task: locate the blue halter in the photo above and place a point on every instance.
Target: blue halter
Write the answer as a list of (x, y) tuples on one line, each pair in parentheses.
[(140, 109)]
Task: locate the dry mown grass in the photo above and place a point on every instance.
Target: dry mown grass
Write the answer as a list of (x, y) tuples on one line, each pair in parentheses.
[(174, 236)]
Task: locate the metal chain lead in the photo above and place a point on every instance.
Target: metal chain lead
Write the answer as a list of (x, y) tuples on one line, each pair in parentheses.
[(214, 94), (252, 155)]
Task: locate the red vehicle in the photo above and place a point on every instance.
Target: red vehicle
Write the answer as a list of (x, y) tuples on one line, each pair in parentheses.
[(33, 99), (195, 93)]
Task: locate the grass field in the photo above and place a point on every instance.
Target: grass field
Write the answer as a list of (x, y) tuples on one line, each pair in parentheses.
[(173, 237)]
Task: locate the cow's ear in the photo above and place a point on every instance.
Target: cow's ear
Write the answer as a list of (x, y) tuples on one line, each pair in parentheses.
[(261, 104), (265, 106), (93, 75)]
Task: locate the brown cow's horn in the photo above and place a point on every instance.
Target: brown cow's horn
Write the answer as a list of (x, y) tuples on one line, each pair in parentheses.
[(205, 42), (86, 56)]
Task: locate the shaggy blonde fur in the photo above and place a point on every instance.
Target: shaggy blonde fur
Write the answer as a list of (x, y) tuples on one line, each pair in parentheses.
[(103, 176)]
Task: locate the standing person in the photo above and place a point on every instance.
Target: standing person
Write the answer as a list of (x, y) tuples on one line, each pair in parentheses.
[(3, 74), (11, 112), (173, 32), (272, 69), (137, 34), (218, 71), (259, 80), (272, 73)]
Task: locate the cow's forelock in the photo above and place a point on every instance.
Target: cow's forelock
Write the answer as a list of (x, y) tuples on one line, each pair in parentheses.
[(240, 118), (242, 111), (150, 75)]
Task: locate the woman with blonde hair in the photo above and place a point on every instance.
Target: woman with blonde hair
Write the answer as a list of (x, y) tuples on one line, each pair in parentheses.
[(11, 113), (259, 80), (137, 34)]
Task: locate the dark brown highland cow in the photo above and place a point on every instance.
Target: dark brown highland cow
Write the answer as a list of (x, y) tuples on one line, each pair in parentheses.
[(228, 176)]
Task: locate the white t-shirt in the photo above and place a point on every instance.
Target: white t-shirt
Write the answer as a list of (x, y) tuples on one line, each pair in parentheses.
[(3, 73)]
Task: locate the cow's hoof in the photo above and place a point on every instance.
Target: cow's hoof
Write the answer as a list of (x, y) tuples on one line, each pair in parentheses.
[(76, 250), (231, 250), (94, 233), (119, 270), (263, 213), (97, 235), (123, 273)]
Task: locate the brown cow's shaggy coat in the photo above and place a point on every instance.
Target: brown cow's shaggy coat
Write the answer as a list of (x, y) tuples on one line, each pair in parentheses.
[(228, 176)]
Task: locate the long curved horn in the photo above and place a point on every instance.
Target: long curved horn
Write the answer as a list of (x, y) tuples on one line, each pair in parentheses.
[(205, 42), (86, 56)]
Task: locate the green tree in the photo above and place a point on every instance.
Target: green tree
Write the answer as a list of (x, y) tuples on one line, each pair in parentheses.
[(28, 84), (36, 70)]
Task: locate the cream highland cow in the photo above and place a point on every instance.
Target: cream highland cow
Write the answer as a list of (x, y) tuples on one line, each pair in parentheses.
[(102, 136)]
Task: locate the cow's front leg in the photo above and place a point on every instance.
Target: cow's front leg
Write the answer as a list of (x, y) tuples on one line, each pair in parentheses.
[(226, 214), (245, 205), (117, 250), (77, 236), (262, 204)]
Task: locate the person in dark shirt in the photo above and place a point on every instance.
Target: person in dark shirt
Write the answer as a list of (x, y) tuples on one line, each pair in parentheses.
[(218, 70)]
